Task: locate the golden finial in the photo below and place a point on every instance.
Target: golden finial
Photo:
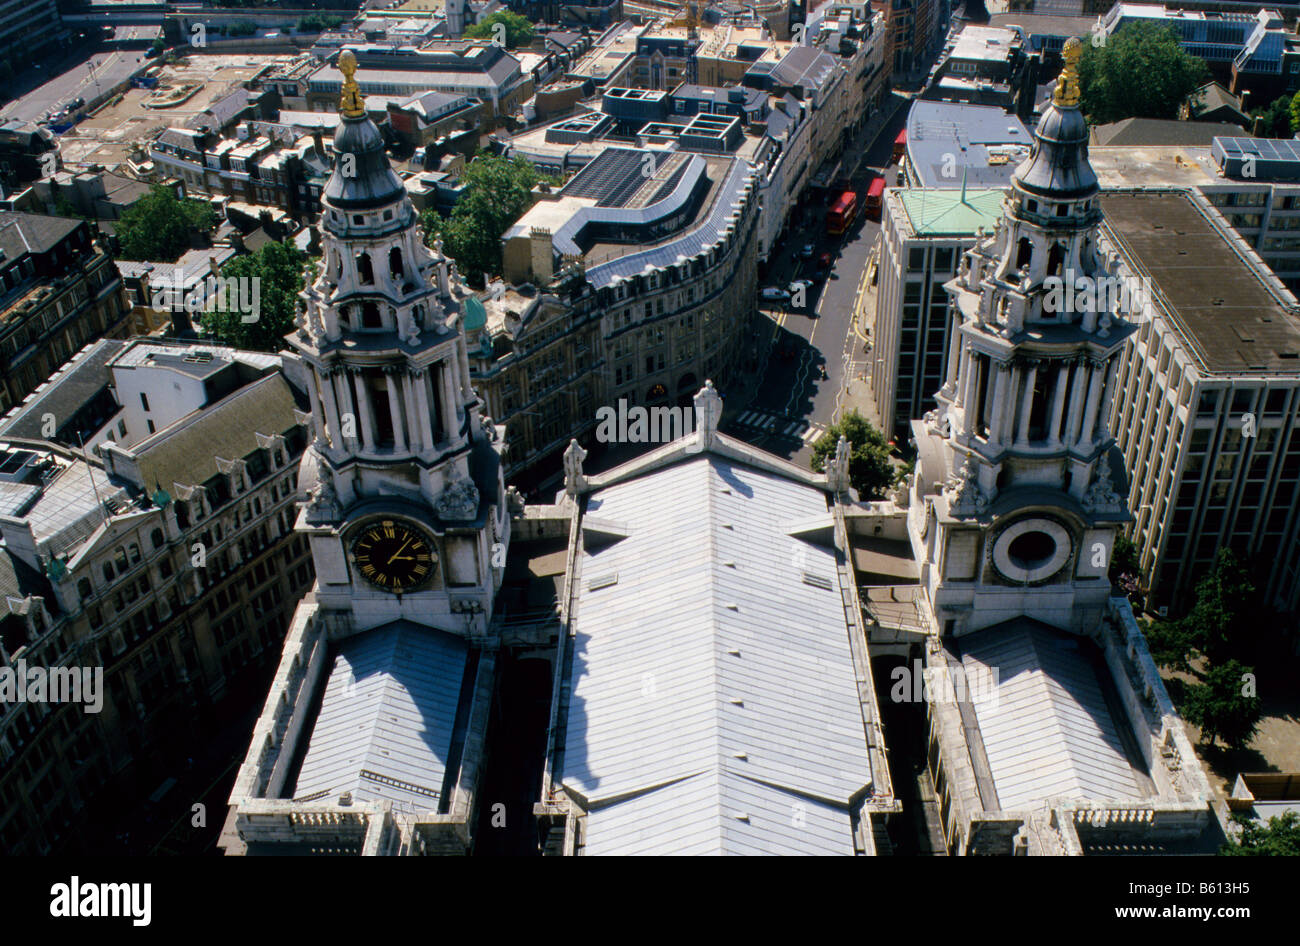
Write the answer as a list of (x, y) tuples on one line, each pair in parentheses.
[(1067, 87), (351, 105)]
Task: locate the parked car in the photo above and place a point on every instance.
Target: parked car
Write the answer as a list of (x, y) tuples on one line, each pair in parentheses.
[(800, 290), (808, 251), (773, 294), (826, 261)]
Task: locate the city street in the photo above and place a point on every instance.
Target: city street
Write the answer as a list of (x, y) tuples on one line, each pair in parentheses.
[(794, 404), (84, 76)]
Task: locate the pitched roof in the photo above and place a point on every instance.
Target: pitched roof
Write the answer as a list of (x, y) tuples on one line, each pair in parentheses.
[(1161, 131), (387, 719), (23, 233), (715, 707), (68, 391), (183, 452), (1043, 717), (935, 212)]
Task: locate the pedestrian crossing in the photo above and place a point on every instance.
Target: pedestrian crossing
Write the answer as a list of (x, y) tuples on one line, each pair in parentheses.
[(781, 426)]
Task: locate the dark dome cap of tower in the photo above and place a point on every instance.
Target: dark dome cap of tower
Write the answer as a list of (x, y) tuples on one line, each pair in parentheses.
[(1057, 167), (362, 177)]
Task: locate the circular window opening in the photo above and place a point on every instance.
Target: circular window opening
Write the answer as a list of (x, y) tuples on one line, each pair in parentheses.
[(1031, 550)]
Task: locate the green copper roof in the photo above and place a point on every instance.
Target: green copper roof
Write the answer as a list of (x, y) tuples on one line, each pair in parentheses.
[(951, 212), (475, 315)]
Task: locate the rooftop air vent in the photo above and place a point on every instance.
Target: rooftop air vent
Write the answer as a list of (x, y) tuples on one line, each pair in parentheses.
[(818, 581)]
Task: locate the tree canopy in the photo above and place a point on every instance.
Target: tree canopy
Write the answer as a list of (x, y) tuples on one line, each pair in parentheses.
[(159, 226), (1224, 706), (870, 470), (519, 29), (1275, 119), (1279, 838), (1141, 71), (1223, 625), (278, 271), (497, 193)]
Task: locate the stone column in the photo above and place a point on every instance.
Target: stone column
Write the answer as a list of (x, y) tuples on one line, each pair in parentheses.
[(417, 441), (395, 412), (1026, 404), (999, 421), (421, 382), (1058, 405), (1112, 378), (343, 400), (955, 354), (1076, 401), (365, 419), (1094, 404), (450, 401), (317, 411)]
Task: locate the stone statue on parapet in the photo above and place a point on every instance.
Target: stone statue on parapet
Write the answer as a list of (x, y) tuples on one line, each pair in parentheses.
[(574, 481)]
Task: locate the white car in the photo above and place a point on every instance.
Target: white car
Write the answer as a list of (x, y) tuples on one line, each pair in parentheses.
[(798, 284), (773, 294)]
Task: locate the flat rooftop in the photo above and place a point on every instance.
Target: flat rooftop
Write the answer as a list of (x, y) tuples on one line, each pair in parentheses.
[(949, 141), (933, 212), (1154, 166), (1231, 318)]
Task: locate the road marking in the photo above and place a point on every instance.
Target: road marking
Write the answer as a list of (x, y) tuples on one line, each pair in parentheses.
[(791, 428)]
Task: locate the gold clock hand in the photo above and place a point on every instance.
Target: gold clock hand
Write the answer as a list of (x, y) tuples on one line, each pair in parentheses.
[(399, 551)]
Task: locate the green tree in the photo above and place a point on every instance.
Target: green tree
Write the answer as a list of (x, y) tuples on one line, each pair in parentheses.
[(159, 226), (1140, 72), (870, 469), (497, 193), (1274, 119), (1279, 838), (1224, 706), (1223, 621), (519, 30), (278, 271), (1125, 566)]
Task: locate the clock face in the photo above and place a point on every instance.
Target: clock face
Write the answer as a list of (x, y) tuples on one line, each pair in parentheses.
[(394, 556)]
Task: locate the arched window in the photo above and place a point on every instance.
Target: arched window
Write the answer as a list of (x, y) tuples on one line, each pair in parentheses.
[(370, 317), (395, 262), (135, 552), (1055, 259), (1024, 253), (108, 571), (365, 271), (156, 537), (83, 588)]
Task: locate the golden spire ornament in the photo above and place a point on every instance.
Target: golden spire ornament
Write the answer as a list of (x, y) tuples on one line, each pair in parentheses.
[(1067, 87), (351, 105)]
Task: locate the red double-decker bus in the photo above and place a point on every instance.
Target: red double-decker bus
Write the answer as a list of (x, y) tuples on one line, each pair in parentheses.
[(875, 195), (841, 214)]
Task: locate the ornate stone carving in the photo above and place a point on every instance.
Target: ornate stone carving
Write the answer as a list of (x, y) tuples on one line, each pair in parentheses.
[(407, 330), (574, 481), (458, 501), (324, 498), (708, 411), (1101, 495), (837, 467), (964, 490)]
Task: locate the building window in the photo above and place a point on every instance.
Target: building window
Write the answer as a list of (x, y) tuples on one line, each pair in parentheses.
[(144, 402)]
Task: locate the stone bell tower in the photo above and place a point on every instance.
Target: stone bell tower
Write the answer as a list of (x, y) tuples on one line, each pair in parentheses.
[(407, 517), (1017, 496)]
